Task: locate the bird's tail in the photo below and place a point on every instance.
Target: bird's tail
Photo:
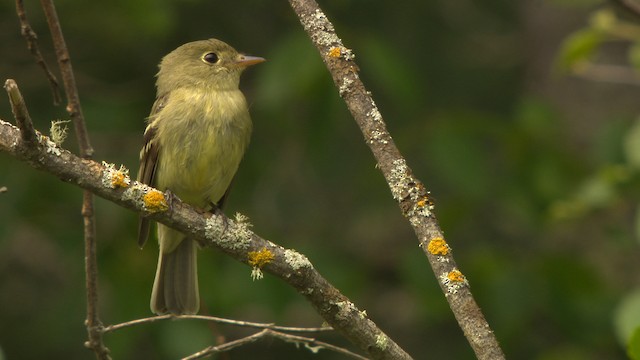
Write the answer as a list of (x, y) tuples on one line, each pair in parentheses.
[(175, 289)]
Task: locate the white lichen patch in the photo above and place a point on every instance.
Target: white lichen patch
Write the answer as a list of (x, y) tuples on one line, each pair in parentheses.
[(321, 30), (399, 179), (344, 87), (348, 54), (233, 235), (113, 178), (382, 341), (49, 145), (296, 260), (256, 274), (374, 113), (378, 136), (136, 193)]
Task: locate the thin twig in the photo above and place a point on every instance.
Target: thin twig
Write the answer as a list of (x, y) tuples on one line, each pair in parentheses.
[(312, 344), (411, 195), (219, 320), (32, 44), (74, 109), (20, 112)]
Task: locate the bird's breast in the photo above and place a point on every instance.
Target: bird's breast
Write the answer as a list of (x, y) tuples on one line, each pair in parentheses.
[(202, 136)]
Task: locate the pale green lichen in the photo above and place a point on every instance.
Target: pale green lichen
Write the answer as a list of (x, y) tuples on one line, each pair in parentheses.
[(382, 341), (58, 131), (296, 260), (363, 314), (345, 308), (233, 235)]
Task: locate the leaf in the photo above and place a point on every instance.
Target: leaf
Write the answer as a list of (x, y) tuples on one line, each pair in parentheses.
[(631, 144), (627, 321), (578, 48), (633, 347), (634, 56)]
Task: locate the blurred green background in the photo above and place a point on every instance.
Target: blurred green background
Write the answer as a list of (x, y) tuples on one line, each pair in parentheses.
[(521, 117)]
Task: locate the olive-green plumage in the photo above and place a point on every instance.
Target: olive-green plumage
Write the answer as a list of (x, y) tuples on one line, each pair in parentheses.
[(196, 135)]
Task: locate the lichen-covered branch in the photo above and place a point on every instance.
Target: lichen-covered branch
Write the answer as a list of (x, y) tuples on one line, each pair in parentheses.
[(234, 237), (408, 191)]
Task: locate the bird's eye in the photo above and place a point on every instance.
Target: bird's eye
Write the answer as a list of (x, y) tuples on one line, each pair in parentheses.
[(211, 58)]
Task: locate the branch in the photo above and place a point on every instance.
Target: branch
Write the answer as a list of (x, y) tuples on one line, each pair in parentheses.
[(219, 320), (20, 112), (92, 322), (32, 44), (414, 201), (232, 237), (312, 344)]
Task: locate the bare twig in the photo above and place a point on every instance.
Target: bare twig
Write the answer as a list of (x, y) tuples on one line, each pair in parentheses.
[(231, 237), (413, 199), (219, 320), (20, 112), (312, 344), (74, 109), (32, 44)]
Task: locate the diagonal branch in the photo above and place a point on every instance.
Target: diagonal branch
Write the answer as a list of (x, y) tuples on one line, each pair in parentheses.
[(414, 201), (232, 237)]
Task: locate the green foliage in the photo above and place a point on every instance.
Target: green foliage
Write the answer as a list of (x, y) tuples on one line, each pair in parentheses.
[(579, 48), (633, 349)]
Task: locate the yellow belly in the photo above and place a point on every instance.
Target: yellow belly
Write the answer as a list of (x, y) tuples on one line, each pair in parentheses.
[(202, 141)]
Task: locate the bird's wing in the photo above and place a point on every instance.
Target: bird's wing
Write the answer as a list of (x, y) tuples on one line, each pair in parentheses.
[(148, 161)]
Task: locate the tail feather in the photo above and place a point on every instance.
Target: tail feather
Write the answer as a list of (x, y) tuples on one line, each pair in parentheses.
[(175, 289)]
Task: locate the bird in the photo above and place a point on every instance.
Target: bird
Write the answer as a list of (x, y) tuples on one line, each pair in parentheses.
[(196, 136)]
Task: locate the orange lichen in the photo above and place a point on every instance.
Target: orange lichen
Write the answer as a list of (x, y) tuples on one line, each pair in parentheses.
[(438, 246), (258, 259), (154, 201), (334, 52), (119, 179), (456, 276)]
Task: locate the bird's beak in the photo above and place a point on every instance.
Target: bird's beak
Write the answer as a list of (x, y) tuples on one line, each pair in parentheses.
[(246, 60)]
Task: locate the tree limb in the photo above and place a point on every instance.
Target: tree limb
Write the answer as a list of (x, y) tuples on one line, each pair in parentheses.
[(414, 201), (232, 237)]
